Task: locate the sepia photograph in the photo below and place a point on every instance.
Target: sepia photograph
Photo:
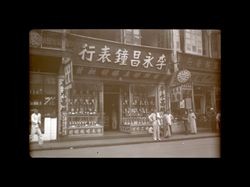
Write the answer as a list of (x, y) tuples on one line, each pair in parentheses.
[(124, 93)]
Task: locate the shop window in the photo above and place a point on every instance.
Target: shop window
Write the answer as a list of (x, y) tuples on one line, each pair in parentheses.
[(193, 42), (83, 110), (176, 39), (132, 36), (137, 103)]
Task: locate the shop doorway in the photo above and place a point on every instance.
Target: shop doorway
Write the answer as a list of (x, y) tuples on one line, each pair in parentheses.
[(111, 108), (200, 104)]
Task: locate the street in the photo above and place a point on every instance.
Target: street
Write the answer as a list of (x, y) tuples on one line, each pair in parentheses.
[(193, 148)]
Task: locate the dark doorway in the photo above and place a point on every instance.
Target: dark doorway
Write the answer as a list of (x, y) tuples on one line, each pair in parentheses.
[(111, 107)]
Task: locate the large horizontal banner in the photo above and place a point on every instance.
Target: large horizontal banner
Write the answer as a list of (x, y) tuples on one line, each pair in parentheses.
[(102, 53)]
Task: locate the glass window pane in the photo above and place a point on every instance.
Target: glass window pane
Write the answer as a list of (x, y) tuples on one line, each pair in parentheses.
[(136, 31)]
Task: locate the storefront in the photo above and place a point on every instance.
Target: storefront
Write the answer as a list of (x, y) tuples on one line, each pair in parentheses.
[(44, 78), (181, 93), (202, 91), (44, 93), (109, 86), (86, 87)]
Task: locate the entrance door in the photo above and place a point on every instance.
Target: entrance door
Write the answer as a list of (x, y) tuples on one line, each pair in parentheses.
[(111, 108)]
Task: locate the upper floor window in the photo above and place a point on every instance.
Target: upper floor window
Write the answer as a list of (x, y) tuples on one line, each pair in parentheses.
[(176, 40), (132, 36), (193, 41)]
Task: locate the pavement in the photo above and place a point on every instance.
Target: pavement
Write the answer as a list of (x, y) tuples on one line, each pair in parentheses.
[(116, 138)]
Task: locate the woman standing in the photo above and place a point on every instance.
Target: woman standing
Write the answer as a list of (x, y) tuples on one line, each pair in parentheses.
[(192, 122)]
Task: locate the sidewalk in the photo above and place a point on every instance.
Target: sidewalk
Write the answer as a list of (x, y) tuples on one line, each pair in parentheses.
[(115, 140)]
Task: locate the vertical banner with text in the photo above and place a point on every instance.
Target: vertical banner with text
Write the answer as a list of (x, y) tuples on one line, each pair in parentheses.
[(68, 73)]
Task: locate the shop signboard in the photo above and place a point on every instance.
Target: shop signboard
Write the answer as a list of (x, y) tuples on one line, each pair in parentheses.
[(196, 62), (187, 86), (101, 53), (68, 74)]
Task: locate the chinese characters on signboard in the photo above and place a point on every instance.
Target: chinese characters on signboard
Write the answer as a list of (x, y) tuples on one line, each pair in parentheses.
[(68, 73), (120, 56), (162, 98)]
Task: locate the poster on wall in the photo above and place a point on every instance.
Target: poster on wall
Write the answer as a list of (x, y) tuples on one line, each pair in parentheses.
[(188, 103), (182, 104)]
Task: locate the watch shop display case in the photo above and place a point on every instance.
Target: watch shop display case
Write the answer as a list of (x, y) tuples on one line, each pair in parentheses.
[(83, 110), (137, 101)]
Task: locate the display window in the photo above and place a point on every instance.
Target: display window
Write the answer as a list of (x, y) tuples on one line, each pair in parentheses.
[(137, 103), (83, 109)]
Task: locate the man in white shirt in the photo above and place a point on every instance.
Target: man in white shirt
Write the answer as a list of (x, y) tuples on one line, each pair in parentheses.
[(155, 117), (167, 120), (35, 129)]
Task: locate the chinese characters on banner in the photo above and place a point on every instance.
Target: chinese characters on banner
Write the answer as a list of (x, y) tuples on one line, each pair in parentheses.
[(162, 98), (122, 57), (68, 73)]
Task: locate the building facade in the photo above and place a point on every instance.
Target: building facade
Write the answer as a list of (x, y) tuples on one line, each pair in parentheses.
[(87, 82)]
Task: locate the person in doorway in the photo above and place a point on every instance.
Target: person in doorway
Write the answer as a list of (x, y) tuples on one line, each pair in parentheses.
[(154, 118), (35, 126), (114, 117), (192, 122)]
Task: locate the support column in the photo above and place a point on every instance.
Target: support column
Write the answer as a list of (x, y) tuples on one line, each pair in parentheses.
[(193, 103), (61, 103), (101, 104), (130, 96), (209, 44)]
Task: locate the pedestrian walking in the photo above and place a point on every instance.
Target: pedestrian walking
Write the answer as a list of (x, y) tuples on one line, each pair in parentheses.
[(35, 126)]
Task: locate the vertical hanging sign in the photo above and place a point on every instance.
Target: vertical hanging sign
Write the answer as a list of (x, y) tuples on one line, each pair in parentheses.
[(68, 73), (188, 102)]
